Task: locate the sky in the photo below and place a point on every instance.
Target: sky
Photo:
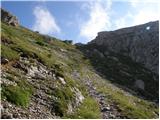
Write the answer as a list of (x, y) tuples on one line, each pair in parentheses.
[(81, 20)]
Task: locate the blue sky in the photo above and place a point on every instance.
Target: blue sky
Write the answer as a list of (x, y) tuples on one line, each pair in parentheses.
[(80, 21)]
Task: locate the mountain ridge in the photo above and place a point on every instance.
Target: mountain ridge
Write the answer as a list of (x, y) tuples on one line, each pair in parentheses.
[(139, 42)]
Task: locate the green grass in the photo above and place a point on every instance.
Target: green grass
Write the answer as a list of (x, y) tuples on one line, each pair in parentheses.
[(34, 45), (88, 110), (131, 106), (63, 97), (9, 53), (17, 95)]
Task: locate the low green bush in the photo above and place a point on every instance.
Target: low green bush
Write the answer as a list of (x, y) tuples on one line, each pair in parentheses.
[(17, 95), (89, 109), (40, 43), (63, 96), (20, 94)]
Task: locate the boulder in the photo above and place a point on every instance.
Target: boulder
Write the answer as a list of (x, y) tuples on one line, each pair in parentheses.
[(9, 18), (139, 84)]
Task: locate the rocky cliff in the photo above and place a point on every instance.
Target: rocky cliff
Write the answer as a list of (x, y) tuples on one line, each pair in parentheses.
[(140, 42)]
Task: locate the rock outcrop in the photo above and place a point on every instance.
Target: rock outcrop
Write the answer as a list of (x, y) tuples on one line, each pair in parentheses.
[(9, 18), (139, 42)]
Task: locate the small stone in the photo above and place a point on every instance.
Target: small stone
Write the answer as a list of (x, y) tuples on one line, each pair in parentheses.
[(101, 102), (102, 98), (4, 60), (105, 109), (112, 115), (2, 108), (62, 50), (62, 80), (9, 105)]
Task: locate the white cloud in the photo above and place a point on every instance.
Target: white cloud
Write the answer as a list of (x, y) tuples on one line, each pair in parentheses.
[(139, 13), (146, 12), (123, 21), (98, 20), (143, 17), (44, 21), (134, 3)]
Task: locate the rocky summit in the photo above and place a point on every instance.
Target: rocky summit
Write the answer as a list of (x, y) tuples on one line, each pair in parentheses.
[(140, 42), (113, 77)]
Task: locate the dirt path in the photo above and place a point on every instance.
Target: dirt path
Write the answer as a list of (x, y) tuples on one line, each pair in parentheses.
[(109, 111)]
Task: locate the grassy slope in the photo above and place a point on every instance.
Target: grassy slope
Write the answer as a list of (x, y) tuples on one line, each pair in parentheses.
[(49, 51), (131, 106)]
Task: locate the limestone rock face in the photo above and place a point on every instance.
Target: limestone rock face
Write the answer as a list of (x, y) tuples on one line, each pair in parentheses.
[(9, 18), (140, 42)]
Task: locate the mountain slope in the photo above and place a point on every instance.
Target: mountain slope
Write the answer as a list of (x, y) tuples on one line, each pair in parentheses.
[(140, 42), (128, 57), (43, 77), (43, 64)]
